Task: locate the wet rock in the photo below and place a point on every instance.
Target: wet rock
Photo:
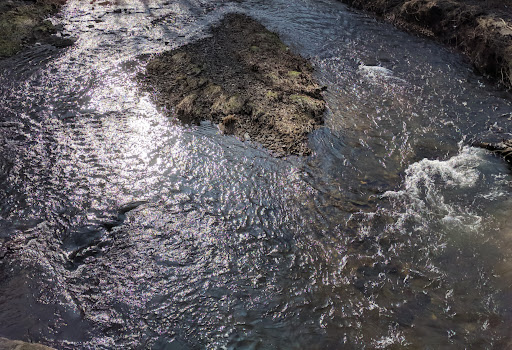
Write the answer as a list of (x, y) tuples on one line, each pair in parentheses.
[(7, 344), (422, 299), (503, 149), (60, 42), (228, 124), (360, 285), (404, 316), (407, 312), (244, 79), (125, 208)]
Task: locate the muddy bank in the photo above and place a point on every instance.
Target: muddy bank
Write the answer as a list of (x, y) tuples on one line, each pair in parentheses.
[(480, 29), (244, 79), (6, 344), (23, 23)]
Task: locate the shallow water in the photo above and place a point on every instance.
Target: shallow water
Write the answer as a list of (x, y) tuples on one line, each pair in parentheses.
[(121, 229)]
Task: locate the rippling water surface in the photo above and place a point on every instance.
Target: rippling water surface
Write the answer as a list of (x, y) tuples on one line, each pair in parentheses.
[(121, 229)]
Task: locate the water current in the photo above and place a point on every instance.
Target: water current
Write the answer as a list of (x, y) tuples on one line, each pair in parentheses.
[(121, 229)]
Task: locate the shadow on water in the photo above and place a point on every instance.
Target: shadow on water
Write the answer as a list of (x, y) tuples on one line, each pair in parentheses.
[(122, 229)]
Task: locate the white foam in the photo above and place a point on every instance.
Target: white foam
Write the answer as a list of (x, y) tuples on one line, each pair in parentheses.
[(436, 190), (374, 71)]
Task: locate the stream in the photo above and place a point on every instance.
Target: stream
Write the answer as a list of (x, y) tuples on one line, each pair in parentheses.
[(121, 229)]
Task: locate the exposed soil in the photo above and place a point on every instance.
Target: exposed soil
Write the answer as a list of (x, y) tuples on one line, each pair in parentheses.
[(6, 344), (244, 79), (482, 29), (24, 22)]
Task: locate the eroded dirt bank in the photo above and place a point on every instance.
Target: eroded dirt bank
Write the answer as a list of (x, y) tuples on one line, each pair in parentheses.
[(244, 79), (24, 22), (480, 29)]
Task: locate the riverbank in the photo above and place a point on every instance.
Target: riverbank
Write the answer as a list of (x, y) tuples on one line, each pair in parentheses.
[(7, 344), (245, 80), (24, 22), (482, 30)]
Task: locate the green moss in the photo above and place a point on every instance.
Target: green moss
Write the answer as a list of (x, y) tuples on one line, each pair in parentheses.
[(9, 47), (307, 102), (203, 81), (24, 21), (234, 104), (274, 78), (299, 98), (271, 94), (272, 39), (228, 105), (46, 27), (180, 57), (194, 82), (269, 36), (255, 48), (178, 78), (293, 74), (213, 90), (186, 105), (258, 112), (195, 70)]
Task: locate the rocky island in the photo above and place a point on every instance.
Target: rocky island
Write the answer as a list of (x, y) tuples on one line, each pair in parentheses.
[(245, 80)]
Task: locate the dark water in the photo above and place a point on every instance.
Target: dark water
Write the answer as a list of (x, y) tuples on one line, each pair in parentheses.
[(121, 229)]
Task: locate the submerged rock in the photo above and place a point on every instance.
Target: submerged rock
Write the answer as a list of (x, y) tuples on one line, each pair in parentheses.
[(244, 79)]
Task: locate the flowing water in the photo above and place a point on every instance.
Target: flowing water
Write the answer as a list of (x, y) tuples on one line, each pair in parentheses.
[(121, 229)]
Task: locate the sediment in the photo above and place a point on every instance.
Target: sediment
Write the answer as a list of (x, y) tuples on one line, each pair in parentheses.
[(244, 79), (24, 22), (7, 344), (482, 30)]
